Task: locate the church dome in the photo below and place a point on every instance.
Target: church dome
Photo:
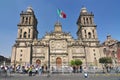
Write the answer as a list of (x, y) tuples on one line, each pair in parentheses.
[(29, 9), (83, 10)]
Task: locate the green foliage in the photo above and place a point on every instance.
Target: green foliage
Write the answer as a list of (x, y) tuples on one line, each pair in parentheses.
[(72, 62), (76, 62), (105, 60)]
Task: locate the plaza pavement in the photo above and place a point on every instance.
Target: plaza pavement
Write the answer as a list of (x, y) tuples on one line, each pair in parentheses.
[(76, 76)]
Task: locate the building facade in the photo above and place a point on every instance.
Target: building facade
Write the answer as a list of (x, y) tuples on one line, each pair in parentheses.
[(56, 48), (4, 61), (111, 48)]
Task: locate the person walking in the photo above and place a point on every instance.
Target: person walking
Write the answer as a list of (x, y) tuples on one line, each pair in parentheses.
[(40, 70), (80, 69), (30, 71)]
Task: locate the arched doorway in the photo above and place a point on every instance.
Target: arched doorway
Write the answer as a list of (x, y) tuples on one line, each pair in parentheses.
[(38, 62), (58, 62)]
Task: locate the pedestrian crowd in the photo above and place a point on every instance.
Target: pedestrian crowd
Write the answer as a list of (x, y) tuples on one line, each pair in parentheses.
[(5, 70), (31, 69)]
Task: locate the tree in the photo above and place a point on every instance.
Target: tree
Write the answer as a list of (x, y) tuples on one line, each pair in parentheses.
[(76, 62), (72, 62), (105, 61)]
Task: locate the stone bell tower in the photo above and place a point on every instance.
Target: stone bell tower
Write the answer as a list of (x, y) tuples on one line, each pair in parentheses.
[(87, 33), (87, 28), (27, 32), (27, 28)]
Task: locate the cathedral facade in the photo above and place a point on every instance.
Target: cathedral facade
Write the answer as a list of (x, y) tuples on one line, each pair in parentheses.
[(56, 48)]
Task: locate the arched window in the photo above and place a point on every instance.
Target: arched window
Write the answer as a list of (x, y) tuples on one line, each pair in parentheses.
[(29, 30), (93, 33), (22, 20), (26, 21), (28, 35), (20, 36), (87, 20), (84, 20), (90, 20), (89, 35), (85, 31), (25, 34), (29, 20), (85, 36), (20, 31)]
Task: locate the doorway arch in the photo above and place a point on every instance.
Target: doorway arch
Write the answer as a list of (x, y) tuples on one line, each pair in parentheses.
[(38, 61), (58, 62)]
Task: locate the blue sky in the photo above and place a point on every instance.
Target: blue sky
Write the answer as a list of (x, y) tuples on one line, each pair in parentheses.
[(106, 16)]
